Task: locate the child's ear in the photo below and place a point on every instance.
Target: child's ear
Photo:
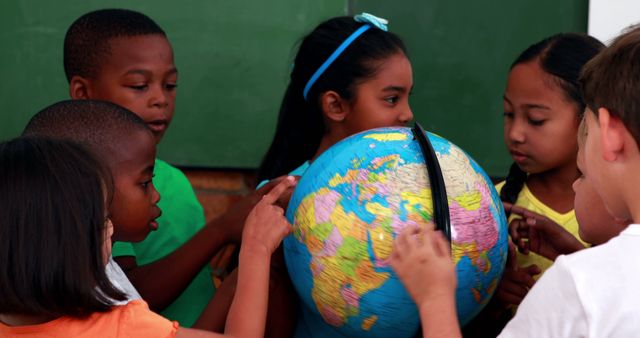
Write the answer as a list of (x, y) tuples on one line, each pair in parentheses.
[(334, 107), (612, 135), (79, 88)]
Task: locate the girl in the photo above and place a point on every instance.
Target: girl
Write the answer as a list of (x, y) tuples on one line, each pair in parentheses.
[(542, 110), (55, 239), (349, 75)]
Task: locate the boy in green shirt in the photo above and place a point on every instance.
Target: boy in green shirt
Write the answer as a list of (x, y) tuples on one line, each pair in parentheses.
[(124, 57)]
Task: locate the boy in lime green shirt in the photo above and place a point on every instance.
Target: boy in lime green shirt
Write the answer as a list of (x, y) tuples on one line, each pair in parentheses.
[(130, 62)]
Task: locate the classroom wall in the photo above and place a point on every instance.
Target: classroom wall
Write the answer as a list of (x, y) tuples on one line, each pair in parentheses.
[(234, 58)]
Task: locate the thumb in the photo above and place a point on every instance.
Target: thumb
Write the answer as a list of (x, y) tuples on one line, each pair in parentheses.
[(532, 270)]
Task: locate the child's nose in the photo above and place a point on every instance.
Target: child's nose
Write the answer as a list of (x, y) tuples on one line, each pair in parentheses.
[(406, 116), (516, 132), (155, 195), (159, 97)]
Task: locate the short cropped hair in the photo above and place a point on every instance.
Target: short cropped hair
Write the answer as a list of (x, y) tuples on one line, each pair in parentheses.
[(52, 229), (87, 40), (611, 80), (99, 125)]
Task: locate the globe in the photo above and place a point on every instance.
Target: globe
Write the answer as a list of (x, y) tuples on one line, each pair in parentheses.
[(347, 209)]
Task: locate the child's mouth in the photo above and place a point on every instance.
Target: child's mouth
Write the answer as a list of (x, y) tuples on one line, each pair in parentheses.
[(153, 225), (158, 126)]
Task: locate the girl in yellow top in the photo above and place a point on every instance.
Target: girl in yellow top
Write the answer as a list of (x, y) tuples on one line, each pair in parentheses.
[(542, 110)]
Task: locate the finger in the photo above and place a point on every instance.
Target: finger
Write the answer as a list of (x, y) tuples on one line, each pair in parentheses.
[(442, 245), (514, 288), (515, 229), (270, 185), (273, 195), (531, 270), (509, 298), (512, 260), (518, 231), (507, 206), (518, 210)]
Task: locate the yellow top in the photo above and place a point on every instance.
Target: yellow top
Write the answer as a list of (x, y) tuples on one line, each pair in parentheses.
[(567, 220)]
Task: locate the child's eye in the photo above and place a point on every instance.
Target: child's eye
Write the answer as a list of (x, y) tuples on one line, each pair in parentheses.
[(139, 87), (536, 122), (171, 86), (146, 183), (392, 99), (508, 114)]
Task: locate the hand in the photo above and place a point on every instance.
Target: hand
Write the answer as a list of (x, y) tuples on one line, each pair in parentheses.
[(424, 266), (266, 225), (537, 233), (516, 281), (233, 220)]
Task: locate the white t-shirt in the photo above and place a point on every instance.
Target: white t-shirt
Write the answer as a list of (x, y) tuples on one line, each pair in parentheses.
[(591, 293), (120, 281)]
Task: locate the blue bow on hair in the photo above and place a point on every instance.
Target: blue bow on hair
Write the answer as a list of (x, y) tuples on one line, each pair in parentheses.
[(372, 20)]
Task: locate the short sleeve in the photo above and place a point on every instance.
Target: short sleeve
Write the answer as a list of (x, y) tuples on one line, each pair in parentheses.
[(138, 321), (552, 308), (122, 249)]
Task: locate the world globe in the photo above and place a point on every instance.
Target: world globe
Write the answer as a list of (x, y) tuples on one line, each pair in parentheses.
[(350, 205)]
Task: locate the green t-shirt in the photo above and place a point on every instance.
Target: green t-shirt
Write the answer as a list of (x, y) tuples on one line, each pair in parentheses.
[(182, 216)]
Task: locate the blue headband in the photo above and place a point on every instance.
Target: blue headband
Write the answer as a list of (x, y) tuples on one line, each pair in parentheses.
[(369, 20)]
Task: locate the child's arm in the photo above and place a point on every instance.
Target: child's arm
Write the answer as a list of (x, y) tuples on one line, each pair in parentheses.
[(265, 228), (161, 282), (537, 233), (425, 269)]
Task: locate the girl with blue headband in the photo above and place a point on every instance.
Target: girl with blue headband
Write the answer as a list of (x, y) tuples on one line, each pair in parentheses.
[(350, 74)]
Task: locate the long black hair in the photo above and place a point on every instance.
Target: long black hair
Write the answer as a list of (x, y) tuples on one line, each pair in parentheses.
[(52, 229), (562, 56), (300, 122)]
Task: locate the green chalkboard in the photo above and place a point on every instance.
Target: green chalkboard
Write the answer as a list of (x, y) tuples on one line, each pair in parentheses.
[(461, 52), (233, 58)]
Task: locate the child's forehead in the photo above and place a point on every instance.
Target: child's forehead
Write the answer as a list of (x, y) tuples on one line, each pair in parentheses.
[(125, 51), (135, 147)]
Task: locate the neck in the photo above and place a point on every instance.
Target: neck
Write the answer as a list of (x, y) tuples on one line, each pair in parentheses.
[(22, 320), (326, 142), (556, 180), (554, 187)]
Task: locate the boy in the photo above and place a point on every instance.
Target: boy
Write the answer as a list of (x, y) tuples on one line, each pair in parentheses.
[(592, 293), (127, 147), (131, 64)]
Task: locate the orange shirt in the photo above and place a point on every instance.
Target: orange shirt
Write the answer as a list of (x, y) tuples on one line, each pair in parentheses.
[(130, 320)]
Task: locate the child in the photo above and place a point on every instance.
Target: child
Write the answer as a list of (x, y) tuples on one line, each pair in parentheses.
[(55, 241), (127, 147), (131, 64), (349, 75), (594, 291), (542, 110), (549, 239)]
